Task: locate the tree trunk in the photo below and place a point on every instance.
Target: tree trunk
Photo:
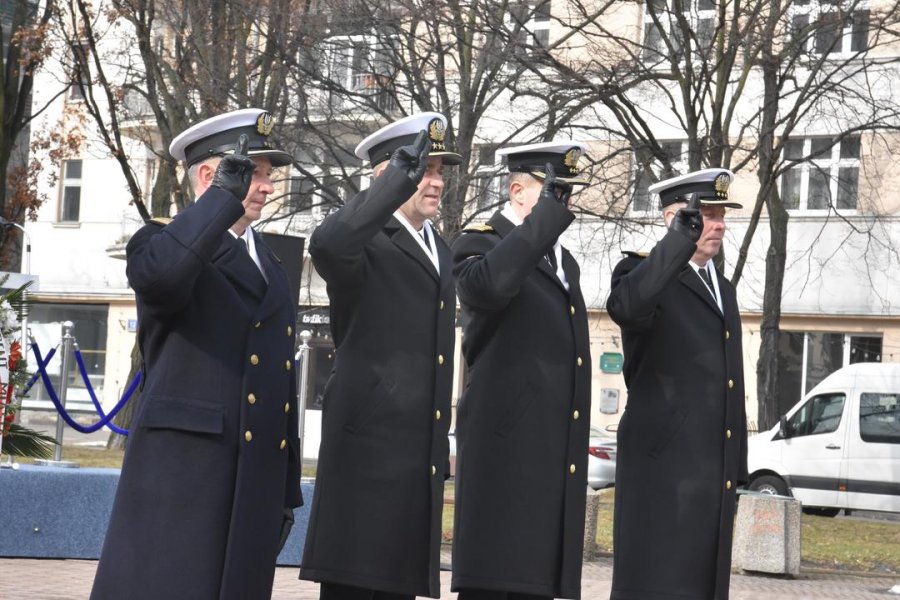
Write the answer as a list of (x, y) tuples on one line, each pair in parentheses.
[(126, 415)]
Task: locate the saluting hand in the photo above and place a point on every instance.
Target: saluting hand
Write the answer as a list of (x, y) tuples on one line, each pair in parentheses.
[(688, 221), (554, 190), (235, 171), (413, 159)]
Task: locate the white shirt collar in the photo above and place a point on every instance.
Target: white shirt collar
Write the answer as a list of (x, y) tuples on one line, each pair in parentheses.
[(427, 229)]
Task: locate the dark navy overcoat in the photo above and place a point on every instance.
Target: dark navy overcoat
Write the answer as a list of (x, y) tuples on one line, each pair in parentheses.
[(212, 458), (523, 421), (682, 440), (375, 520)]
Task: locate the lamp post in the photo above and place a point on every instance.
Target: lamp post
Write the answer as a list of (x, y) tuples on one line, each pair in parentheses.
[(303, 384)]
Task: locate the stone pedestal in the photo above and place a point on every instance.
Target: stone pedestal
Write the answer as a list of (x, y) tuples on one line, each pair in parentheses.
[(767, 534), (591, 509)]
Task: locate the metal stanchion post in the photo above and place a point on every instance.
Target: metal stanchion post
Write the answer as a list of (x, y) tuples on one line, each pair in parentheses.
[(67, 343), (303, 375)]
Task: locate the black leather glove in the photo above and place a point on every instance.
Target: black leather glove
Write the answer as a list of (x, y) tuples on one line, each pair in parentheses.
[(688, 221), (554, 190), (235, 171), (287, 523), (413, 159)]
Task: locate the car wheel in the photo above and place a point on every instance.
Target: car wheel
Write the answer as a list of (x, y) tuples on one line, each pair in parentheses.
[(769, 484), (821, 511)]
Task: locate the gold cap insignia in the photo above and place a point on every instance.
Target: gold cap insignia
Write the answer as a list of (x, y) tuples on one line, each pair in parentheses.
[(437, 132), (721, 184), (571, 160), (265, 123)]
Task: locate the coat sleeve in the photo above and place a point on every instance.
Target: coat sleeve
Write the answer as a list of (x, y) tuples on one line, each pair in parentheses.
[(489, 275), (163, 263), (337, 244), (637, 284)]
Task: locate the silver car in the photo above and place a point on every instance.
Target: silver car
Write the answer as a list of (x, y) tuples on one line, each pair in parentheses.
[(601, 459)]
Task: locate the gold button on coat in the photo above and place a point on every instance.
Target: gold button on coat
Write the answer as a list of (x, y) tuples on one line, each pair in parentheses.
[(290, 330), (728, 433), (579, 361), (442, 305), (287, 365), (571, 310), (575, 415), (437, 415), (248, 435), (251, 398), (257, 324), (254, 359), (572, 469), (730, 383), (440, 359), (727, 334), (282, 444), (433, 469), (287, 407), (728, 485)]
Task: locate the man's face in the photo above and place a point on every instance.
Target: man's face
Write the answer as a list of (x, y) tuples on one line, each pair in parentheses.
[(260, 188), (424, 204), (710, 241)]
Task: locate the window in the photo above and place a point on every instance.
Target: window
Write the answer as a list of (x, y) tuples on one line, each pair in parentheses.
[(90, 333), (806, 358), (827, 27), (828, 177), (820, 414), (529, 22), (700, 16), (81, 74), (70, 205), (361, 66), (879, 418), (300, 195), (486, 181), (675, 154)]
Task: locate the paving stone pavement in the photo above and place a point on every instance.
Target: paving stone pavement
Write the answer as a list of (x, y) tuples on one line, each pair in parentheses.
[(51, 579)]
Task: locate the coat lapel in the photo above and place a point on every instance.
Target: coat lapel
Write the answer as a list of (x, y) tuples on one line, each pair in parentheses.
[(236, 265), (278, 287), (445, 260), (403, 240), (504, 226), (689, 278), (573, 273)]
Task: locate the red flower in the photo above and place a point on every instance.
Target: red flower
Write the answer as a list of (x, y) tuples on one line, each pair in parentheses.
[(15, 355)]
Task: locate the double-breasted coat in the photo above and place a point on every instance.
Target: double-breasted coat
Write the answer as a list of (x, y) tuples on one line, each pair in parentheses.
[(375, 520), (523, 421), (211, 459), (682, 440)]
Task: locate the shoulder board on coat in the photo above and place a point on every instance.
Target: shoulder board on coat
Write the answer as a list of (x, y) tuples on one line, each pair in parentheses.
[(633, 254), (482, 228), (161, 221)]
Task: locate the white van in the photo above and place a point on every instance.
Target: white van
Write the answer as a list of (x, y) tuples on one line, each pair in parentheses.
[(839, 447)]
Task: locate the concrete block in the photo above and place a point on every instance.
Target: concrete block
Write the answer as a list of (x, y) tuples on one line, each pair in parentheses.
[(591, 510), (767, 534)]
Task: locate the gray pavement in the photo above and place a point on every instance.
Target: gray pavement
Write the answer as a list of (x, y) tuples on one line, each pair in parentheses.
[(50, 579)]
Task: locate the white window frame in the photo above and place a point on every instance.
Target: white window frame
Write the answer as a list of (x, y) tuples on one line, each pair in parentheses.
[(67, 182), (830, 164), (804, 367), (537, 23), (694, 14), (815, 10)]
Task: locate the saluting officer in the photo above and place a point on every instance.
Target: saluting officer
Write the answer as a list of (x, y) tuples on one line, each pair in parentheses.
[(212, 464), (375, 522), (682, 441), (523, 421)]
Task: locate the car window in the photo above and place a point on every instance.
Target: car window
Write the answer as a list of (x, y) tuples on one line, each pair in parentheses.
[(879, 418), (820, 414)]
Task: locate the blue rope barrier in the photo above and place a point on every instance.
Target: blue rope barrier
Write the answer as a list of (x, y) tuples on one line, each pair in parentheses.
[(37, 373), (90, 390), (105, 419)]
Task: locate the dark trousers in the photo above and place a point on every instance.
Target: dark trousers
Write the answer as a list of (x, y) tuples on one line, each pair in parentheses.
[(337, 591), (474, 594)]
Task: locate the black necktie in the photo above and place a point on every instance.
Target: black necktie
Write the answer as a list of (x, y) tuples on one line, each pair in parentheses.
[(704, 275), (425, 237)]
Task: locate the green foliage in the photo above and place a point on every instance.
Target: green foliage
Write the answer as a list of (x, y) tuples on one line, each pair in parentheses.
[(21, 441)]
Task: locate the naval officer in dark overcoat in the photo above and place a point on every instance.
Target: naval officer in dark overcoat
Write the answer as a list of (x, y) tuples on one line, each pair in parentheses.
[(211, 465), (523, 422), (375, 522), (682, 441)]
